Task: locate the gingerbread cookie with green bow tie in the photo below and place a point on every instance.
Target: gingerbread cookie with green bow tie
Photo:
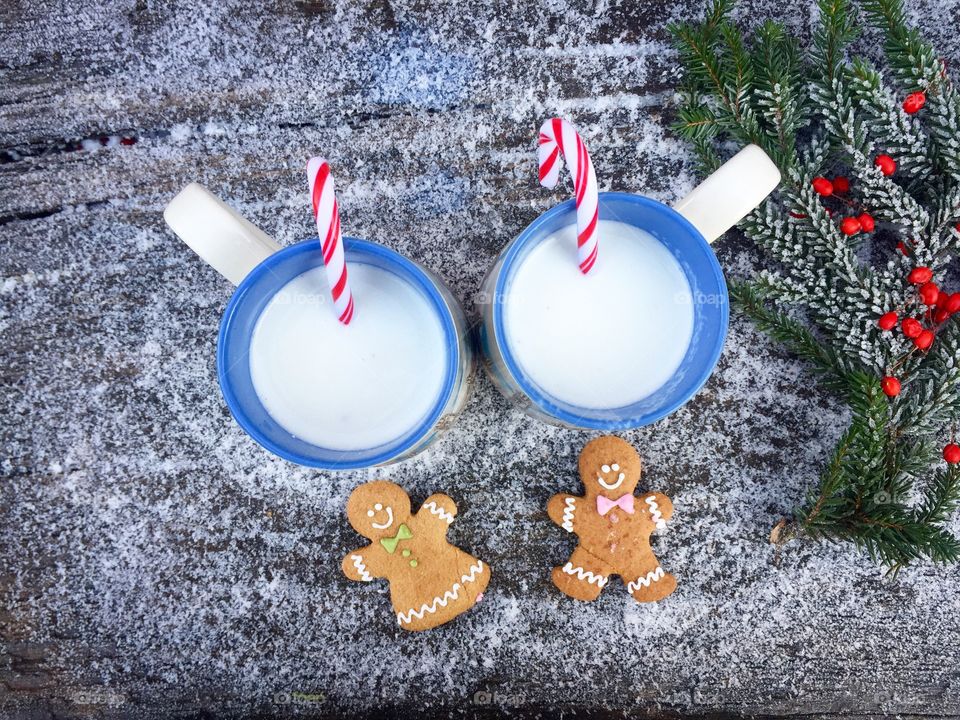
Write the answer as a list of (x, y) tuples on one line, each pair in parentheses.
[(431, 581), (613, 526)]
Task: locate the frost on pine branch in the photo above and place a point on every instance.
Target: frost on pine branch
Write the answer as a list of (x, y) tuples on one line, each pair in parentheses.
[(890, 140)]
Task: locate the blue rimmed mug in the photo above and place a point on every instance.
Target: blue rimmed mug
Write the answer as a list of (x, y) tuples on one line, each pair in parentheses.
[(261, 269), (685, 231)]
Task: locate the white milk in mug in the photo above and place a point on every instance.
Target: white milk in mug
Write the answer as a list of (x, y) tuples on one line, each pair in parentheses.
[(604, 324), (634, 338), (348, 387), (305, 386)]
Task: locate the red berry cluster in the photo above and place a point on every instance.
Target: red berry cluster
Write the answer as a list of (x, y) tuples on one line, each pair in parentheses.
[(935, 308), (839, 186)]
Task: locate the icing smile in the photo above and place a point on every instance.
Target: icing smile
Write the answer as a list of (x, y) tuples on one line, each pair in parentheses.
[(377, 508), (610, 485)]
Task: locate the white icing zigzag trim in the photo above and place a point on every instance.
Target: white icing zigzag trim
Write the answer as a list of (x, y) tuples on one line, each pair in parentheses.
[(361, 568), (647, 580), (582, 574), (439, 512), (439, 602), (655, 512), (472, 575), (568, 511)]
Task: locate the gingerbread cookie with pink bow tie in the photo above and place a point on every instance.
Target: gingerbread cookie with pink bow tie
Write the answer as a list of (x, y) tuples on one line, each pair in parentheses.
[(431, 581), (613, 526)]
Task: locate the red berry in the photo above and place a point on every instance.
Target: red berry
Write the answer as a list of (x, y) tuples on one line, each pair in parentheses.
[(929, 293), (866, 222), (901, 248), (942, 314), (888, 321), (822, 186), (841, 184), (890, 386), (920, 275), (957, 227), (951, 453), (887, 165), (850, 226), (911, 327), (914, 102), (924, 340), (953, 303)]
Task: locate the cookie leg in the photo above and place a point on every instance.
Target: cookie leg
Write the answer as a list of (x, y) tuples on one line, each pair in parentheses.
[(646, 581), (583, 577), (460, 597), (474, 579)]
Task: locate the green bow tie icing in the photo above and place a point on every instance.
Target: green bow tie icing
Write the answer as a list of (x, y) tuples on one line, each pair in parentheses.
[(403, 533)]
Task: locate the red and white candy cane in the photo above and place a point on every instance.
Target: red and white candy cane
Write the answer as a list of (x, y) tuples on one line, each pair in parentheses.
[(328, 228), (558, 137)]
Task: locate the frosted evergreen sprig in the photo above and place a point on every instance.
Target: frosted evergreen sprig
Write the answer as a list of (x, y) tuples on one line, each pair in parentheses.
[(820, 113), (917, 66), (898, 133)]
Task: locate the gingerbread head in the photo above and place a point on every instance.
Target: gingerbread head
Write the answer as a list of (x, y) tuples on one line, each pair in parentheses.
[(376, 509), (610, 467), (613, 526)]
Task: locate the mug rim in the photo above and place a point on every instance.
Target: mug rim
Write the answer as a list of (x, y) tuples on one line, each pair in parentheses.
[(387, 451), (541, 399)]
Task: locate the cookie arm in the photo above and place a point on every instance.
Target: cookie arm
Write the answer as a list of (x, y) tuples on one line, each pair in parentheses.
[(361, 565), (563, 510), (440, 508), (658, 507)]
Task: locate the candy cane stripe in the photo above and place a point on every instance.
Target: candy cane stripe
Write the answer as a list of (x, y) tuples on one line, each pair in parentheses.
[(557, 124), (588, 231), (347, 314), (327, 216), (341, 284), (557, 136), (587, 264), (580, 186), (330, 244), (548, 165), (318, 187)]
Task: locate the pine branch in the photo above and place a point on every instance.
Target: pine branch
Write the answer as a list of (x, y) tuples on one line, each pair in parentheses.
[(934, 400), (835, 371), (699, 126), (779, 93), (834, 33), (917, 66), (888, 200), (914, 61), (900, 134), (943, 232), (766, 91), (941, 498)]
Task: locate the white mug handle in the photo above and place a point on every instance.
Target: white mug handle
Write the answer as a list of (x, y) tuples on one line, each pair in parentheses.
[(227, 241), (732, 190)]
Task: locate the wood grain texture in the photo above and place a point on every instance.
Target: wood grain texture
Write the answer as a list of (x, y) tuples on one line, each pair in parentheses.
[(155, 562)]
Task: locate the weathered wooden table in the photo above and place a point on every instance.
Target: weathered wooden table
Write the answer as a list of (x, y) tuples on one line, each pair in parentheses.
[(154, 561)]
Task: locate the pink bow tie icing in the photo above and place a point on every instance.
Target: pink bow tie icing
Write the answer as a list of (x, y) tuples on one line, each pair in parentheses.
[(625, 502)]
